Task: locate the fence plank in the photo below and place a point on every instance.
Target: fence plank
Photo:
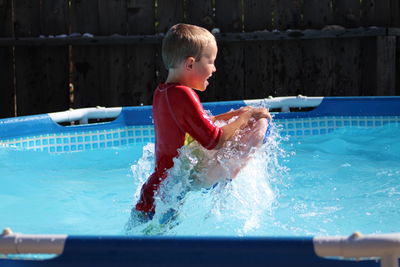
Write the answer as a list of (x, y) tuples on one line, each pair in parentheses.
[(318, 64), (54, 17), (168, 13), (26, 18), (395, 13), (386, 65), (376, 13), (114, 89), (259, 67), (141, 62), (258, 15), (200, 13), (41, 72), (229, 79), (317, 56), (367, 67), (27, 66), (347, 13), (397, 71), (287, 68), (228, 15), (115, 23), (287, 77), (258, 55), (6, 29), (55, 21), (7, 105), (317, 14), (288, 14), (379, 66), (346, 67), (87, 77), (346, 72)]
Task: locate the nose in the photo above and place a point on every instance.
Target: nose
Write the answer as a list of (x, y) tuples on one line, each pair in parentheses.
[(214, 69)]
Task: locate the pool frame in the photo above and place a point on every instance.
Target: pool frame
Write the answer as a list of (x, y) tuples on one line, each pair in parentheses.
[(134, 124)]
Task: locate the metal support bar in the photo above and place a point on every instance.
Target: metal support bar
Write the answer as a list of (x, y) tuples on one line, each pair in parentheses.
[(383, 246), (285, 103), (84, 114), (12, 243)]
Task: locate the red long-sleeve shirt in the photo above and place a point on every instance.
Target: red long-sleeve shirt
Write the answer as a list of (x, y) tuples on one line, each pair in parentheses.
[(176, 111)]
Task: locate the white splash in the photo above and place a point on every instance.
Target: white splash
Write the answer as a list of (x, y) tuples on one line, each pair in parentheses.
[(231, 207)]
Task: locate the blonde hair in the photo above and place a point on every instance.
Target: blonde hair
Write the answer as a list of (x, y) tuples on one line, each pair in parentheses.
[(183, 41)]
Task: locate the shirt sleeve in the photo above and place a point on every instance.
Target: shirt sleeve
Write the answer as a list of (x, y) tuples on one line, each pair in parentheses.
[(191, 117)]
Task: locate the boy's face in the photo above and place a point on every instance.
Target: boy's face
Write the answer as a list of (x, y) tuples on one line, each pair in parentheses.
[(203, 69)]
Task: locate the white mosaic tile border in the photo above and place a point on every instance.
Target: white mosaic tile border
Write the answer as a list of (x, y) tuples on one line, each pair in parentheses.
[(78, 141), (85, 140), (323, 125)]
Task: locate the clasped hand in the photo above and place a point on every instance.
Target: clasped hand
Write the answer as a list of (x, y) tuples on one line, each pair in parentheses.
[(257, 113)]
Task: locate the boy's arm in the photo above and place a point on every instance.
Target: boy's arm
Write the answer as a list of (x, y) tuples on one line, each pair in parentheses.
[(243, 119), (228, 115)]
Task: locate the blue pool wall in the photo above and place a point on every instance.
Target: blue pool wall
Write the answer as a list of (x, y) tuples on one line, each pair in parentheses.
[(188, 251)]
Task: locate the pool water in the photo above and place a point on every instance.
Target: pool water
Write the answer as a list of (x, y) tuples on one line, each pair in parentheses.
[(342, 182), (333, 184)]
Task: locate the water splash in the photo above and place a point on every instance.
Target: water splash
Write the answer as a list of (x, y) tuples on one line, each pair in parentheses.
[(230, 207), (144, 167)]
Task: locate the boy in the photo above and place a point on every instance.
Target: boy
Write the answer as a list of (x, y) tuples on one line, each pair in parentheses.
[(189, 53)]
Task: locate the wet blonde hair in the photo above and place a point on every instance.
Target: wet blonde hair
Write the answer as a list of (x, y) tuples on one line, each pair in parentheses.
[(183, 41)]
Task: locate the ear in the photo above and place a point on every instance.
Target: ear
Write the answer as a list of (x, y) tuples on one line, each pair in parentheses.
[(189, 63)]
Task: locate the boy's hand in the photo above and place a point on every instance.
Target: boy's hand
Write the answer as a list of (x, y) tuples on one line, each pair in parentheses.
[(259, 113), (245, 109)]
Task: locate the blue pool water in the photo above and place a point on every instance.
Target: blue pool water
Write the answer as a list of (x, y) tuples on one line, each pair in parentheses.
[(333, 184)]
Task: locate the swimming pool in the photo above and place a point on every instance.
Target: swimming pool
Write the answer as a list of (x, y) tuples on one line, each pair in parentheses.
[(334, 135)]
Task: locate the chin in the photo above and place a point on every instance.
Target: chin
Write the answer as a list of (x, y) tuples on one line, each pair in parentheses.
[(200, 88)]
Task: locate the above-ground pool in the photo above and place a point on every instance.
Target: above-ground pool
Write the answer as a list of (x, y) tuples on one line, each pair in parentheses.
[(322, 175)]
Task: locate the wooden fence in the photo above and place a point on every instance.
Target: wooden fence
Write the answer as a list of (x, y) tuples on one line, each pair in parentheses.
[(60, 54)]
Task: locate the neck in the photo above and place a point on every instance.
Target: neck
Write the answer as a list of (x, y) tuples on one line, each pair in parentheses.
[(174, 76)]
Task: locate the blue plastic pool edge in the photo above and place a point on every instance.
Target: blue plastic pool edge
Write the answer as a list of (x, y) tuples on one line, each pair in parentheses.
[(330, 106), (188, 251)]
